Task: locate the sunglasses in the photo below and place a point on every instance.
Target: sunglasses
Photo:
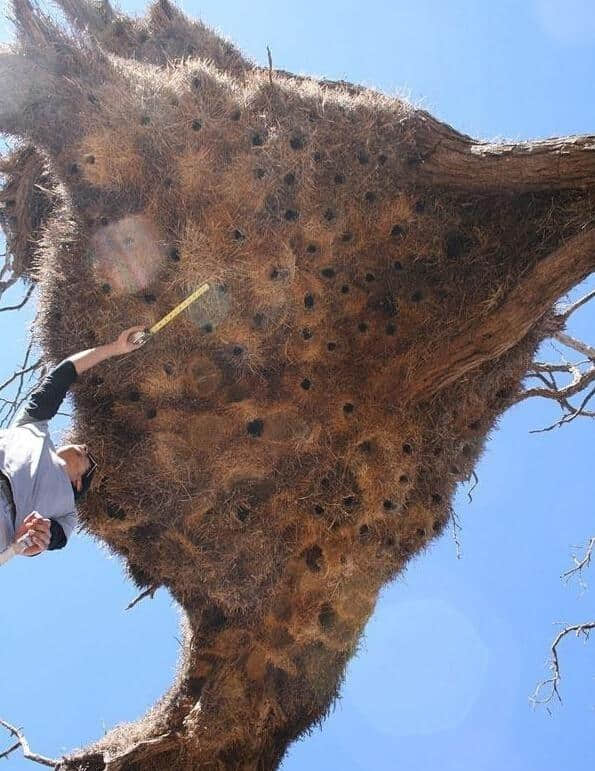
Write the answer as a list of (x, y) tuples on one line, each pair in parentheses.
[(88, 475), (92, 464)]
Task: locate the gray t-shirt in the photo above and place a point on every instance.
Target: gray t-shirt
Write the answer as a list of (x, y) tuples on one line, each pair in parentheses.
[(37, 475)]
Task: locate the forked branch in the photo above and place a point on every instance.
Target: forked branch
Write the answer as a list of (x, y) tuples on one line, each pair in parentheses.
[(580, 565), (10, 407), (551, 685), (22, 742), (581, 379)]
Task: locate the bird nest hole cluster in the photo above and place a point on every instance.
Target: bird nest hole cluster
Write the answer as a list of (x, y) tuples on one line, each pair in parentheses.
[(280, 452)]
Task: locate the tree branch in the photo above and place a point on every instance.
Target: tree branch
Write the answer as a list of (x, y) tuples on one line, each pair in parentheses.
[(7, 267), (569, 417), (22, 303), (20, 373), (580, 565), (579, 382), (494, 335), (553, 682), (12, 405), (580, 379), (565, 315), (580, 629), (23, 743), (450, 159), (150, 592), (575, 344)]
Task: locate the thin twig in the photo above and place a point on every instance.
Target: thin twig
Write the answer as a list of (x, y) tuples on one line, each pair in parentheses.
[(472, 488), (580, 410), (22, 303), (20, 373), (456, 529), (24, 744), (7, 752), (270, 65), (579, 565), (14, 404), (150, 592), (575, 306)]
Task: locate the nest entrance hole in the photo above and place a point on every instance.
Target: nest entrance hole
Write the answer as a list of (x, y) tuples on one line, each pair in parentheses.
[(327, 616), (255, 427), (313, 557)]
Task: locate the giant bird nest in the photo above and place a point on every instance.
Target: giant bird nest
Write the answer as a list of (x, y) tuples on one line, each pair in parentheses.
[(276, 455)]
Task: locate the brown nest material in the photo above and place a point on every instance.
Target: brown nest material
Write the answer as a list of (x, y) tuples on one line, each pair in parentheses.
[(279, 453)]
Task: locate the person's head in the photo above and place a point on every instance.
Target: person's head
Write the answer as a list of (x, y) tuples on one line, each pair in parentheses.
[(79, 466)]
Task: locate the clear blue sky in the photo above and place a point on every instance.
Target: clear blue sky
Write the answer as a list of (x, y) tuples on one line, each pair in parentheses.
[(455, 647)]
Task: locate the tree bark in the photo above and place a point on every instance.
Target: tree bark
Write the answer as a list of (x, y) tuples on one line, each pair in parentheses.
[(453, 160), (489, 338)]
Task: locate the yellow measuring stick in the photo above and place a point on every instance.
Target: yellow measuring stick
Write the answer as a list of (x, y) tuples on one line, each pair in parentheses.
[(142, 337)]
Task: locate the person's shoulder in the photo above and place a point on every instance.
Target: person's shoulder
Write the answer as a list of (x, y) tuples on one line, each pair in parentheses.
[(24, 420)]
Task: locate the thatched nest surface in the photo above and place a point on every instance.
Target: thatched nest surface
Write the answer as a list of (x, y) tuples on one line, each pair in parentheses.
[(279, 453)]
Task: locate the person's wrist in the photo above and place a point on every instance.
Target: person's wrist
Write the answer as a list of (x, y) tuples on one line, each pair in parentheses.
[(111, 349)]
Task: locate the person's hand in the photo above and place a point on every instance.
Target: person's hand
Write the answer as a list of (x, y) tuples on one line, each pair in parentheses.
[(38, 529), (123, 345)]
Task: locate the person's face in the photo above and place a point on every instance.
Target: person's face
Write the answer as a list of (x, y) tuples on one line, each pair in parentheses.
[(77, 462)]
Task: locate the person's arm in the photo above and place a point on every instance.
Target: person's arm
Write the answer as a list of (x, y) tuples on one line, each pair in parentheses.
[(38, 530), (58, 538), (45, 533), (61, 529), (44, 402), (84, 360)]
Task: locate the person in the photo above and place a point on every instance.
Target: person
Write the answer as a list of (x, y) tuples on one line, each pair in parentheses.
[(39, 484)]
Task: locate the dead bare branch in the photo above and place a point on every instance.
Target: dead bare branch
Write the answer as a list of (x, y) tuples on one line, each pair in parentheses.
[(580, 565), (22, 303), (150, 592), (567, 312), (539, 366), (581, 378), (584, 563), (473, 486), (11, 406), (578, 345), (567, 418), (24, 745), (7, 267), (579, 382), (553, 682), (580, 629), (456, 529)]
